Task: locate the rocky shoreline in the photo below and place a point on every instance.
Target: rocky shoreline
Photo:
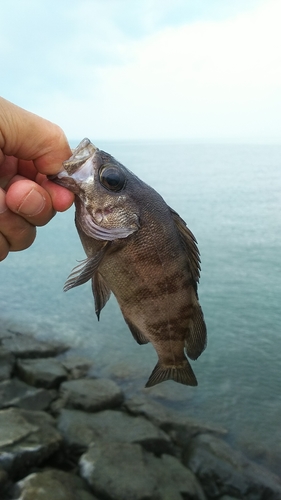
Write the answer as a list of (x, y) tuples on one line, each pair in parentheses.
[(66, 435)]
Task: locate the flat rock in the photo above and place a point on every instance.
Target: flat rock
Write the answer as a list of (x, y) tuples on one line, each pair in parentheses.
[(118, 471), (45, 372), (7, 361), (224, 471), (16, 393), (26, 346), (27, 438), (51, 484), (175, 481), (79, 429), (180, 427), (76, 366), (91, 394)]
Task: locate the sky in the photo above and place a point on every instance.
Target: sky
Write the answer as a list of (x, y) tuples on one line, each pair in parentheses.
[(195, 70)]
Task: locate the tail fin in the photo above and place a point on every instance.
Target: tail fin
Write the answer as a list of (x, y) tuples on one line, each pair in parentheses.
[(182, 374)]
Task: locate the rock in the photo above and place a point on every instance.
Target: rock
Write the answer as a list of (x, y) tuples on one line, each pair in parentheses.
[(51, 484), (224, 471), (91, 394), (118, 471), (3, 479), (27, 438), (180, 428), (7, 361), (46, 372), (26, 346), (76, 367), (14, 392), (175, 481), (80, 429)]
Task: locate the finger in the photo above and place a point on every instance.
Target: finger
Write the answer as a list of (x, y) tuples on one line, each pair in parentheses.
[(8, 168), (4, 247), (30, 137), (32, 202), (18, 233), (62, 198)]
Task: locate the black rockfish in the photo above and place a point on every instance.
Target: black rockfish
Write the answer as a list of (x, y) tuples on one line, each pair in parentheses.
[(141, 250)]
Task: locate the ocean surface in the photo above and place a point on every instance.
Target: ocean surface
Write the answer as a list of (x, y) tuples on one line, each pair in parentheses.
[(230, 197)]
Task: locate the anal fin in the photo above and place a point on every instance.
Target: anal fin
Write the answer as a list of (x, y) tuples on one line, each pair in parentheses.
[(137, 334)]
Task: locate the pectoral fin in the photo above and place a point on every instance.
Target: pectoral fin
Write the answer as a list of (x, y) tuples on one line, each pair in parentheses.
[(85, 270), (101, 292)]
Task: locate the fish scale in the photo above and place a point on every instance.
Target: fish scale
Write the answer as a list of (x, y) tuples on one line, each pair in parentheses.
[(141, 250)]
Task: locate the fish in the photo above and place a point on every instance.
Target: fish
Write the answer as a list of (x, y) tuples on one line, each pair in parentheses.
[(142, 251)]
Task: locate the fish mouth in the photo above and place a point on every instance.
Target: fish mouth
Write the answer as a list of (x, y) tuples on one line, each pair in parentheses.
[(78, 168)]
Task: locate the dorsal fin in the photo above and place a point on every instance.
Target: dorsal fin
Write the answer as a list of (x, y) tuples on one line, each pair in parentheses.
[(190, 245)]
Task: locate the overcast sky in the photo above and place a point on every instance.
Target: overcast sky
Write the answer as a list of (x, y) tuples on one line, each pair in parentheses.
[(146, 69)]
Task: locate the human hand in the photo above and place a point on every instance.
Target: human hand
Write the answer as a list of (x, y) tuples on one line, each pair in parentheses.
[(30, 149)]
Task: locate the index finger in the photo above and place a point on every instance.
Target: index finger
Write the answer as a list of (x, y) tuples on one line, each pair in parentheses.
[(30, 137)]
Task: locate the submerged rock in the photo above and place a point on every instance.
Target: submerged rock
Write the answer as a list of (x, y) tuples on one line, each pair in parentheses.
[(45, 372), (16, 393), (7, 361), (91, 394), (224, 471), (27, 438), (26, 346), (178, 426), (51, 484), (76, 367)]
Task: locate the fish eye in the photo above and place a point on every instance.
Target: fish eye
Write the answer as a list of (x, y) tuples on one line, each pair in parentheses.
[(112, 178)]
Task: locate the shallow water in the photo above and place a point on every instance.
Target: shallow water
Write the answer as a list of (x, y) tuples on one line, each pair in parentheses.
[(230, 197)]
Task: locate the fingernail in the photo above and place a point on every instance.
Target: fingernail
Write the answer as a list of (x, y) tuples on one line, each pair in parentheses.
[(32, 204), (3, 206)]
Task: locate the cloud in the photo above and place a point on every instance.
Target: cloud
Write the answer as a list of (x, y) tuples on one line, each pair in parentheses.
[(118, 69)]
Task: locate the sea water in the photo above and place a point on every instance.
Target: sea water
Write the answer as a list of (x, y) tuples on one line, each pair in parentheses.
[(230, 197)]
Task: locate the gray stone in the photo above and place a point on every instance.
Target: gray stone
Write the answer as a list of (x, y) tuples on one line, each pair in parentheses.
[(91, 394), (118, 471), (180, 427), (45, 372), (227, 497), (79, 429), (7, 361), (27, 439), (76, 367), (175, 481), (224, 471), (3, 479), (51, 484), (26, 346), (16, 393)]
